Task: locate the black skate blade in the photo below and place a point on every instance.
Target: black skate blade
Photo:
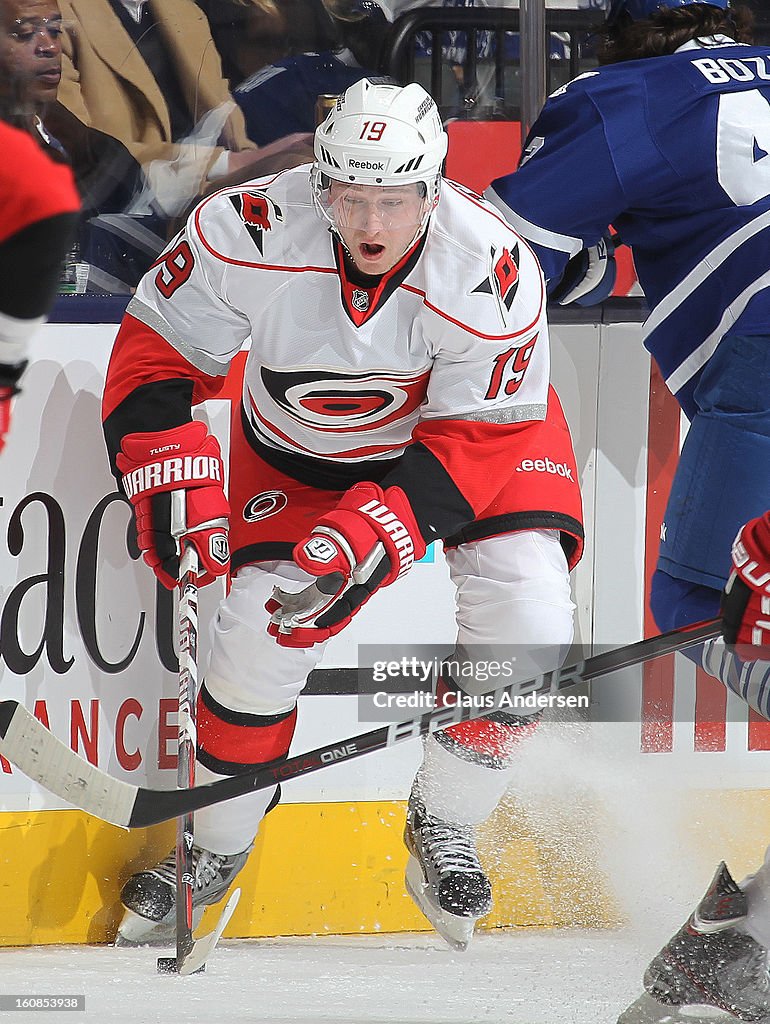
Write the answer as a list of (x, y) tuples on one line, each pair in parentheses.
[(647, 1010)]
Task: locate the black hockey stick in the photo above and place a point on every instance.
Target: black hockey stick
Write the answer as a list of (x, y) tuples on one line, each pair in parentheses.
[(28, 744)]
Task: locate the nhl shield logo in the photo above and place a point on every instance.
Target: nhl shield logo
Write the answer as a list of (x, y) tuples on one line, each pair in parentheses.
[(360, 300)]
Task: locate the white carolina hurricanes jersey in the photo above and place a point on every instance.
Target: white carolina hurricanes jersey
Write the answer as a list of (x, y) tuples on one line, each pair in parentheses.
[(337, 369)]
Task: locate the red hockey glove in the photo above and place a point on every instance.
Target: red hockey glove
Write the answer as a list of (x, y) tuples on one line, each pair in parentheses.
[(9, 388), (746, 598), (368, 541), (174, 479)]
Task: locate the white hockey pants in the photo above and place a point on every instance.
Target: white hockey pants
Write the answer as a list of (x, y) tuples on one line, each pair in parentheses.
[(510, 589)]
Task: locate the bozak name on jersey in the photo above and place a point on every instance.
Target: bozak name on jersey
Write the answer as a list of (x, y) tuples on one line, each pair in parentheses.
[(674, 152)]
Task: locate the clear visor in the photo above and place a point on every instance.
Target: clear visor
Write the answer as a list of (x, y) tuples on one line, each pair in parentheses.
[(374, 208)]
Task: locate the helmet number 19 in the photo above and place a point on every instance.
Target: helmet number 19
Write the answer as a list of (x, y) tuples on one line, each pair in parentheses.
[(372, 131)]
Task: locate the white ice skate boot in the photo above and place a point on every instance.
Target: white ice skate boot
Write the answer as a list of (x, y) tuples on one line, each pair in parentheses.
[(150, 896), (444, 876), (712, 961)]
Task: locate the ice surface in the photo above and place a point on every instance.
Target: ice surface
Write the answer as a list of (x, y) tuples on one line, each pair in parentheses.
[(594, 808), (522, 976), (518, 976)]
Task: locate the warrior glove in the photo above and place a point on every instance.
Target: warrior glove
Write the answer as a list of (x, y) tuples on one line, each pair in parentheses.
[(369, 540), (746, 597), (174, 479)]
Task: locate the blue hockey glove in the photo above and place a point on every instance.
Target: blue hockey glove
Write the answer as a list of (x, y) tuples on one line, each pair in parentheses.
[(588, 277)]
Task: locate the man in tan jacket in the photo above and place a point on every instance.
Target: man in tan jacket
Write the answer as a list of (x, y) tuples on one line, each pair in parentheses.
[(147, 73)]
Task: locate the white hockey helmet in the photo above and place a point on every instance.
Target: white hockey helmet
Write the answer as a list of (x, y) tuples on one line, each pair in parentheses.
[(381, 135)]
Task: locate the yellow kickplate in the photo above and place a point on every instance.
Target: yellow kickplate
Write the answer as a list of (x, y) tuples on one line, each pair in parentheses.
[(316, 869)]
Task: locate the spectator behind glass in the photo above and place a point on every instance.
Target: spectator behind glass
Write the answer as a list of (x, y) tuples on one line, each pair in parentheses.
[(31, 50), (477, 90), (30, 57), (147, 73), (345, 37), (107, 176), (250, 34)]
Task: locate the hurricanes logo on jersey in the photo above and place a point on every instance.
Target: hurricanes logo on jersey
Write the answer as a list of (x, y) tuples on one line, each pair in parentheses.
[(263, 505), (503, 279), (339, 403), (259, 214)]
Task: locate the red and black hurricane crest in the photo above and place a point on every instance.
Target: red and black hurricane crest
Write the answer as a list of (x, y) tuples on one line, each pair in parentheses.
[(259, 214), (503, 280), (343, 402), (506, 275), (264, 505)]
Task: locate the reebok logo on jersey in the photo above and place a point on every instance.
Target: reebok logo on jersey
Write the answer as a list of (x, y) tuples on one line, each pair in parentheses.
[(545, 466), (172, 471), (395, 529)]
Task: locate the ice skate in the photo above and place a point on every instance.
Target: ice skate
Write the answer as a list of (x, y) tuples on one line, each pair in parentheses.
[(712, 961), (646, 1010), (150, 896), (444, 876)]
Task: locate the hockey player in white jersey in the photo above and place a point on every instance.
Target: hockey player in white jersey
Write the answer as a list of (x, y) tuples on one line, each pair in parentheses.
[(396, 393)]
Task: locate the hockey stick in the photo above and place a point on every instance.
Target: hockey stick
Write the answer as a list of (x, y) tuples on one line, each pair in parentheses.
[(185, 774), (28, 744), (191, 954)]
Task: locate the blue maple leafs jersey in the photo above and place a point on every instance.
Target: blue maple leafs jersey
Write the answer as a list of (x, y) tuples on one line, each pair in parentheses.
[(674, 152), (280, 99)]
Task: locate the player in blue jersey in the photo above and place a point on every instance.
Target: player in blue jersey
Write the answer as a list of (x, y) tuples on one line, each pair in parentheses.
[(675, 153), (668, 141), (281, 98)]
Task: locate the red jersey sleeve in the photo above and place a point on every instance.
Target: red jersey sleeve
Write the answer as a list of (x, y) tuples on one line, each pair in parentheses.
[(33, 187)]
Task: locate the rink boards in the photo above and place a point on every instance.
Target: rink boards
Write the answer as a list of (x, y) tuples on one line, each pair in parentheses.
[(87, 642)]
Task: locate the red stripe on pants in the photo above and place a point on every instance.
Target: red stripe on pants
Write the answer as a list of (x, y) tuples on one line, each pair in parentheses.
[(494, 739), (244, 744)]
